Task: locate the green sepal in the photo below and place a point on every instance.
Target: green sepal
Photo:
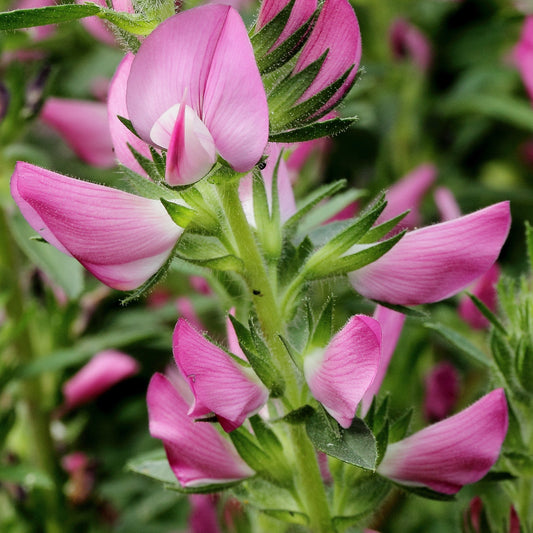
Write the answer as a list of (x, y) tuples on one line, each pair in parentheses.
[(259, 358), (222, 173), (310, 201), (146, 164), (297, 416), (290, 517), (503, 355), (461, 343), (323, 329), (265, 38), (352, 262), (144, 187), (293, 353), (130, 22), (225, 263), (180, 214), (41, 16), (377, 233), (293, 259), (399, 428), (266, 437), (382, 414), (260, 199), (524, 363), (159, 161), (287, 92), (382, 441), (487, 313), (127, 122), (355, 445), (407, 311), (496, 476), (311, 109), (326, 128)]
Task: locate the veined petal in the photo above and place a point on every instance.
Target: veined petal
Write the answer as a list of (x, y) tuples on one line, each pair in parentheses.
[(339, 375), (208, 65), (300, 13), (391, 323), (220, 385), (103, 371), (83, 125), (336, 29), (406, 194), (122, 239), (436, 262), (116, 106), (197, 453), (451, 453)]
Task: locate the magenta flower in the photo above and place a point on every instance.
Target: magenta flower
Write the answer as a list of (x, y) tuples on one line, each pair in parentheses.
[(103, 371), (301, 11), (116, 106), (203, 517), (337, 31), (219, 383), (391, 323), (198, 454), (406, 40), (407, 193), (446, 204), (441, 392), (523, 55), (340, 374), (451, 453), (122, 239), (83, 125), (194, 89), (436, 262)]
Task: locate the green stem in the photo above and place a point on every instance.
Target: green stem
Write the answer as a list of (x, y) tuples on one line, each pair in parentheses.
[(308, 479), (39, 437)]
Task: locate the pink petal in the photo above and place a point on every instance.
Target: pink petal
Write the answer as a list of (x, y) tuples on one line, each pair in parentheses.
[(407, 40), (186, 310), (116, 105), (446, 204), (191, 149), (406, 194), (391, 323), (339, 375), (203, 517), (485, 289), (300, 13), (523, 55), (197, 453), (84, 126), (233, 341), (103, 371), (287, 204), (209, 65), (436, 262), (336, 29), (441, 392), (453, 452), (122, 239), (220, 385)]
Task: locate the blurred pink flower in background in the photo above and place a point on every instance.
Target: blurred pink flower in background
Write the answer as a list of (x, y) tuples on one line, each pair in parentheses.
[(441, 391), (408, 42), (523, 55)]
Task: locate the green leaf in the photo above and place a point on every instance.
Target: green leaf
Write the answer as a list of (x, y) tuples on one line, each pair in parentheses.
[(26, 475), (428, 494), (62, 269), (180, 214), (408, 311), (325, 128), (461, 343), (130, 22), (251, 452), (355, 445), (298, 416), (398, 429), (41, 16)]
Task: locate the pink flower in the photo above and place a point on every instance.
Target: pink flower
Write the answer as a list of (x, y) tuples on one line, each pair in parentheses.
[(195, 90), (391, 323), (337, 31), (186, 310), (451, 453), (340, 374), (203, 516), (436, 262), (219, 383), (84, 126), (446, 204), (103, 371), (122, 239), (441, 392), (406, 40), (198, 454), (523, 55)]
